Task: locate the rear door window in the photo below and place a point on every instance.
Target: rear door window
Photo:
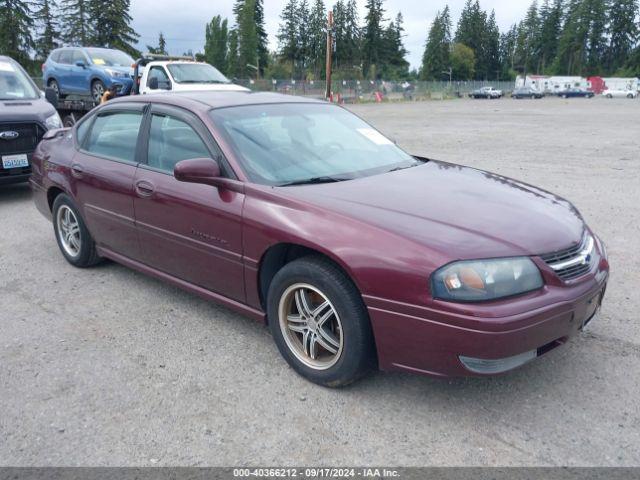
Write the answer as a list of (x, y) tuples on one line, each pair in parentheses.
[(65, 57), (115, 136)]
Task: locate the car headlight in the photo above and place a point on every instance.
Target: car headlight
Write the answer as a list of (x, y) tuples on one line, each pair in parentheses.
[(480, 280), (114, 73), (53, 121)]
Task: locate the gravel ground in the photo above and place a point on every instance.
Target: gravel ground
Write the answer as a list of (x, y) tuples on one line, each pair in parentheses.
[(108, 367)]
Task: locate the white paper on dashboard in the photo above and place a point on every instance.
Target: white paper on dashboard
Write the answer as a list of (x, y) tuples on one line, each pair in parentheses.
[(6, 67), (374, 136)]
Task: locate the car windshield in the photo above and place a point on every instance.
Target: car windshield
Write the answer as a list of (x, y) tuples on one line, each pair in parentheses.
[(196, 73), (282, 144), (14, 84), (109, 58)]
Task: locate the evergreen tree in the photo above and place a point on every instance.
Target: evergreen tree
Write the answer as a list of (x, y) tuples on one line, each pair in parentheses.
[(491, 47), (263, 38), (471, 32), (623, 31), (372, 38), (15, 30), (112, 27), (596, 40), (435, 59), (508, 43), (528, 49), (304, 54), (575, 42), (549, 34), (216, 43), (161, 49), (394, 66), (252, 36), (339, 33), (48, 34), (162, 44), (248, 38), (232, 55), (317, 38), (288, 35), (353, 36), (75, 21)]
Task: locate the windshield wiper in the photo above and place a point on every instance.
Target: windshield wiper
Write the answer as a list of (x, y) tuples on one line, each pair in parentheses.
[(404, 167), (314, 181)]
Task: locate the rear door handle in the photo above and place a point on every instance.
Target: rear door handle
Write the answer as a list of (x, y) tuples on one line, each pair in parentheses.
[(77, 171), (144, 188)]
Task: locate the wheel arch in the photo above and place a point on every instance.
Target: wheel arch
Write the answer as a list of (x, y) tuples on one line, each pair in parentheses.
[(52, 193), (278, 255)]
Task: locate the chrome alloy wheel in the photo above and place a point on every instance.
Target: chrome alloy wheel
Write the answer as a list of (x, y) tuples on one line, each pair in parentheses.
[(311, 326), (68, 231), (98, 91)]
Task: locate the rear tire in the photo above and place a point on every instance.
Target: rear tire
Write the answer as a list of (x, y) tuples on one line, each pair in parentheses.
[(53, 84), (74, 240), (344, 349)]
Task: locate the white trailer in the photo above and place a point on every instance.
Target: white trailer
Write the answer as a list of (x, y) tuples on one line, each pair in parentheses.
[(551, 84)]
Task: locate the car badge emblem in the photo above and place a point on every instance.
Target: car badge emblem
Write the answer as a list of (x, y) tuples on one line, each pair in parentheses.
[(9, 135)]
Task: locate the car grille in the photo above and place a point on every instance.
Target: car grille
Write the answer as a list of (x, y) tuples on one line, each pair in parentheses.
[(574, 261), (30, 135)]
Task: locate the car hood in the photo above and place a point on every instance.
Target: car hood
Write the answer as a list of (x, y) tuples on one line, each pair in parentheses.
[(461, 212), (211, 87), (25, 110), (121, 69)]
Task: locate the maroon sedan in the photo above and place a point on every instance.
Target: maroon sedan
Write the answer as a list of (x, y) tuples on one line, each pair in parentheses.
[(299, 214)]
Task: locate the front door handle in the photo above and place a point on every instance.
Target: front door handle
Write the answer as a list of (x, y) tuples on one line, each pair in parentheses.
[(76, 170), (144, 188)]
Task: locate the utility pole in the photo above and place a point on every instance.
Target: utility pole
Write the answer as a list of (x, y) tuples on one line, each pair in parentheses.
[(450, 73), (329, 51)]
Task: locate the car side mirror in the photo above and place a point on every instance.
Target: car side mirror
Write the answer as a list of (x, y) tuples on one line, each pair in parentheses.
[(198, 170), (153, 83), (51, 96), (80, 64)]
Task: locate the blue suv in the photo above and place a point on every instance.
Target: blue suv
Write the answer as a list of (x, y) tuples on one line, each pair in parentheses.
[(88, 71)]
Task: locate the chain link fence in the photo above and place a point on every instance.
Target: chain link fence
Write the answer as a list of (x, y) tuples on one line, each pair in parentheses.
[(351, 91), (354, 91)]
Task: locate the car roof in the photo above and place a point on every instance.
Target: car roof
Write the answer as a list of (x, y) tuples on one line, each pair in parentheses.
[(206, 100)]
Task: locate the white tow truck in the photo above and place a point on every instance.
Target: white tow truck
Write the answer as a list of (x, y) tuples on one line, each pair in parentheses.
[(161, 73)]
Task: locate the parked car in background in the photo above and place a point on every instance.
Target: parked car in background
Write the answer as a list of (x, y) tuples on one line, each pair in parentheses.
[(526, 92), (612, 93), (25, 116), (299, 214), (486, 92), (157, 76), (576, 93), (88, 71)]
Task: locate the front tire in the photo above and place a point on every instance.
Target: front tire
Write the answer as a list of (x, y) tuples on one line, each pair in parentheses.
[(73, 238), (97, 90), (319, 322)]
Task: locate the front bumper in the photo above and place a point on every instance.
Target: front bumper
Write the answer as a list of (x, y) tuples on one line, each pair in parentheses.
[(431, 341), (124, 85), (17, 178)]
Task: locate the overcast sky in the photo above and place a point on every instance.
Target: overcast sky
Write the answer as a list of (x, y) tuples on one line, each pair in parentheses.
[(183, 21)]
